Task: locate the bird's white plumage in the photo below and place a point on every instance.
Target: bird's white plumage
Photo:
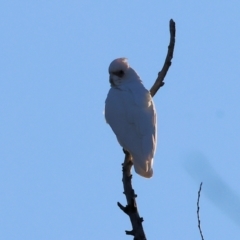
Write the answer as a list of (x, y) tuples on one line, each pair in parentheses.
[(130, 111)]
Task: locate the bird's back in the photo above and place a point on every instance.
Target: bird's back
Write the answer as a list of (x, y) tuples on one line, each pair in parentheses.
[(130, 112)]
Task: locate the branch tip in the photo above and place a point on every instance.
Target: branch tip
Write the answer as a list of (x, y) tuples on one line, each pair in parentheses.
[(161, 75), (124, 209), (130, 232)]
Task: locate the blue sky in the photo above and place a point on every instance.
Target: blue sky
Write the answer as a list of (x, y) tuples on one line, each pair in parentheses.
[(60, 163)]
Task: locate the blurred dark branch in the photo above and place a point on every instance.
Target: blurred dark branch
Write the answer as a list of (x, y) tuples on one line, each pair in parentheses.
[(131, 209), (198, 208), (161, 75)]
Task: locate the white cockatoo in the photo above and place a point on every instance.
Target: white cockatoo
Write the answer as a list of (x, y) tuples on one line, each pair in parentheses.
[(130, 111)]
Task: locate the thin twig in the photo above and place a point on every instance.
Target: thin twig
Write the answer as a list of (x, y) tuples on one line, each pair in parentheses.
[(161, 75), (198, 208)]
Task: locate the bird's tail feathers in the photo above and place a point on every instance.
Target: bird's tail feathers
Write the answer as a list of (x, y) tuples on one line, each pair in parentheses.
[(143, 167)]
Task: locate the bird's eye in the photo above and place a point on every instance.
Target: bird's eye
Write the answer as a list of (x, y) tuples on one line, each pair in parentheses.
[(119, 73)]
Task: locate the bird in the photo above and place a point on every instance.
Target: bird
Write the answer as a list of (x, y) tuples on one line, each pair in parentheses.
[(131, 113)]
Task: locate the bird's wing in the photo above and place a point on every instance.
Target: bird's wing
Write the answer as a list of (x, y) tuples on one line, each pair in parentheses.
[(131, 114), (145, 120)]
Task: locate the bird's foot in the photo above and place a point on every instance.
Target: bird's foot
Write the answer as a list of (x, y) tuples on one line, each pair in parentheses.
[(128, 159)]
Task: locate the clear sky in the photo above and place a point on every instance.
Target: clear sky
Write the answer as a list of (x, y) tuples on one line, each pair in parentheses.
[(60, 163)]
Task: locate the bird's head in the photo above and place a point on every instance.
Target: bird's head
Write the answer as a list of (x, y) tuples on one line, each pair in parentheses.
[(117, 71)]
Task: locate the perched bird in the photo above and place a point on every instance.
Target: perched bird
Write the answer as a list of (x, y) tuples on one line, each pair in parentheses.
[(130, 112)]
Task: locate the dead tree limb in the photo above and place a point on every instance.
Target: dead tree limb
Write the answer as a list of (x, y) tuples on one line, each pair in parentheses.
[(198, 208), (131, 209), (161, 75)]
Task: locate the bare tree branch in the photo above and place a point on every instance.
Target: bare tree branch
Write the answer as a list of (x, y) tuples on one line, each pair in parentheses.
[(198, 208), (161, 75), (131, 209)]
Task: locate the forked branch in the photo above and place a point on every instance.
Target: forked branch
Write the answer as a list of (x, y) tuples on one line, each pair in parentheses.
[(131, 209)]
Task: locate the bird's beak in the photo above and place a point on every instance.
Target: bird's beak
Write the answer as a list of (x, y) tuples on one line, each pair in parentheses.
[(111, 81)]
